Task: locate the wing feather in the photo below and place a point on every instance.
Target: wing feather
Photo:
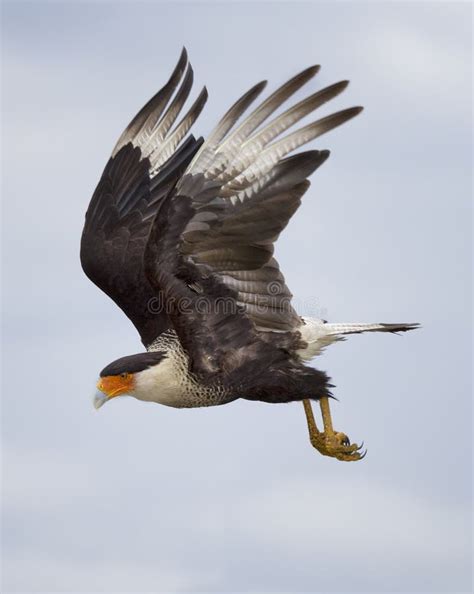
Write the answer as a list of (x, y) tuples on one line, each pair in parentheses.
[(215, 236), (145, 165), (234, 113), (142, 124)]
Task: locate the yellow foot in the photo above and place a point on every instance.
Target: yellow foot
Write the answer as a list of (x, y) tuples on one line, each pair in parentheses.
[(329, 442), (336, 445)]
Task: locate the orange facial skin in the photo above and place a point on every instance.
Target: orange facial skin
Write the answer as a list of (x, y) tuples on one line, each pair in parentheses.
[(115, 385)]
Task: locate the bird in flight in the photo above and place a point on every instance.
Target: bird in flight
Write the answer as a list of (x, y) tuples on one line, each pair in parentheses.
[(180, 233)]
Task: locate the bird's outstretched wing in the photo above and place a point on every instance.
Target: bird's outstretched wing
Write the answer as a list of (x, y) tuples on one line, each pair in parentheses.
[(145, 165), (210, 249)]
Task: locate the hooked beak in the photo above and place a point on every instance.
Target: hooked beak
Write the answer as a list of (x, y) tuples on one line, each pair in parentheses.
[(111, 386), (99, 399)]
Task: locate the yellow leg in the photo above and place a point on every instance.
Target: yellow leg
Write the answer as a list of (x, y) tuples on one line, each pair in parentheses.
[(312, 428), (326, 414), (328, 442)]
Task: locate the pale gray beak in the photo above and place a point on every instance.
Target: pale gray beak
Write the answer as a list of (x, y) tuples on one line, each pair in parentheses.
[(99, 399)]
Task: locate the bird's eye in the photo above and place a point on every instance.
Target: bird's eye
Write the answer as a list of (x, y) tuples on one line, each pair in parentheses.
[(124, 375)]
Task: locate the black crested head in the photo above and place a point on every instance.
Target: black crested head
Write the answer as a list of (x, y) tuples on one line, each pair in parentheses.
[(132, 363)]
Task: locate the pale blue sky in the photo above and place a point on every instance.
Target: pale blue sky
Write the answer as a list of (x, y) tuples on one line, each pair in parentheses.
[(139, 497)]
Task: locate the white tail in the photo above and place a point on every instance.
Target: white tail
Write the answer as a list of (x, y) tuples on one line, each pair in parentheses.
[(358, 328), (319, 334)]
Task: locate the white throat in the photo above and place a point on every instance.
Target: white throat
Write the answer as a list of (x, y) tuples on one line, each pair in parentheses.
[(162, 383)]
